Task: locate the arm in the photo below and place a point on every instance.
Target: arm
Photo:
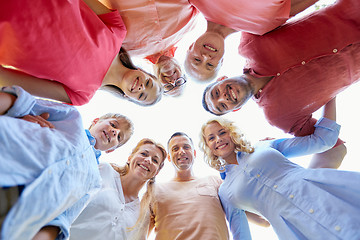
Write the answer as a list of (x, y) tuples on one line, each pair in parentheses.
[(324, 137), (97, 7), (47, 233), (256, 219), (35, 86), (6, 102)]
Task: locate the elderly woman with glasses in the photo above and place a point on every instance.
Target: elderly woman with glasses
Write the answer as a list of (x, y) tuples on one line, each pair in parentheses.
[(169, 72)]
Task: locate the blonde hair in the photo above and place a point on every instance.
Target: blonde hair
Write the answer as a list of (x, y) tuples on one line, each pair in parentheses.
[(123, 120), (148, 196), (241, 144)]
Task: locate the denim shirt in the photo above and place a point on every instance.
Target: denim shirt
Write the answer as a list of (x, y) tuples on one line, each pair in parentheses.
[(57, 166)]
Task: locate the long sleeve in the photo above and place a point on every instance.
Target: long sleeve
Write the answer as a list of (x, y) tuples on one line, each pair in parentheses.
[(324, 137), (238, 222)]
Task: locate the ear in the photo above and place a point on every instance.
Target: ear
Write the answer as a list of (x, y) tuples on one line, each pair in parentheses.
[(191, 46), (235, 110), (221, 78), (194, 153), (109, 150), (168, 157), (95, 121)]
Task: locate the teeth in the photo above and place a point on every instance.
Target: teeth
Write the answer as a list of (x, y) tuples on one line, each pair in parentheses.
[(143, 167), (133, 86), (210, 48), (233, 94), (221, 146)]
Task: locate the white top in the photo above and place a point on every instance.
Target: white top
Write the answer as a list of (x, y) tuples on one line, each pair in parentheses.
[(107, 216)]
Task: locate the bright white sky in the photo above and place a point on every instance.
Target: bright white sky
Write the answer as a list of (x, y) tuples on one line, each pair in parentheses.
[(186, 114)]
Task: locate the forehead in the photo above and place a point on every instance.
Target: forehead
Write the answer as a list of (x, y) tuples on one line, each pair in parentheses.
[(210, 101), (150, 148), (212, 128), (179, 140)]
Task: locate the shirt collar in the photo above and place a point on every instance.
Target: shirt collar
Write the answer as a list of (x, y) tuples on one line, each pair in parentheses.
[(92, 142)]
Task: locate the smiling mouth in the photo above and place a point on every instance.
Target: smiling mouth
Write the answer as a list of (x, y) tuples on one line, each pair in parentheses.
[(231, 93), (143, 167), (135, 84), (221, 146), (107, 136), (210, 48)]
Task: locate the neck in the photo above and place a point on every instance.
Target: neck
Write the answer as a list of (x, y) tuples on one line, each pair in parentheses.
[(131, 186), (115, 72), (184, 175), (232, 158), (219, 29), (257, 82)]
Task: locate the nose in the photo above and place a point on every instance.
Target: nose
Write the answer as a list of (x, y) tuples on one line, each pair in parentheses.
[(218, 139), (141, 86), (206, 56), (115, 131), (147, 159), (223, 97)]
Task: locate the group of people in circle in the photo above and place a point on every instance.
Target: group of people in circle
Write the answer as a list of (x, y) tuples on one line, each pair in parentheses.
[(54, 186)]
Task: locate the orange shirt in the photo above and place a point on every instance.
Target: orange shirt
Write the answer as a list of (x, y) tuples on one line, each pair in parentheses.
[(154, 26)]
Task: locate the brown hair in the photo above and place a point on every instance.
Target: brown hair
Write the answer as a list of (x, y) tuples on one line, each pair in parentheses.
[(147, 198), (241, 144), (126, 61)]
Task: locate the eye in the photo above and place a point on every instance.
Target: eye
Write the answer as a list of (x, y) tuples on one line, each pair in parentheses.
[(175, 149), (119, 138), (224, 106), (141, 94), (155, 160), (222, 133), (186, 147), (112, 124), (211, 138), (217, 92), (210, 65), (197, 59), (147, 82), (144, 154)]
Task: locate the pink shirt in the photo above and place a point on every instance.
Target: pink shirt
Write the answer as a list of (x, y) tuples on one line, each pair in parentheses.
[(312, 61), (154, 25), (181, 207), (257, 17), (64, 41)]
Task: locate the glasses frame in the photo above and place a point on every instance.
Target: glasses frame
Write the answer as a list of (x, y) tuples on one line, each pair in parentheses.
[(175, 84)]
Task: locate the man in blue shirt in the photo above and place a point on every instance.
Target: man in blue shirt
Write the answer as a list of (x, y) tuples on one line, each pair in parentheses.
[(56, 164)]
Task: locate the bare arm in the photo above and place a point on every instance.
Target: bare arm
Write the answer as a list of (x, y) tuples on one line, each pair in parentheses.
[(35, 86), (330, 109), (256, 219), (97, 7), (300, 5), (6, 102), (47, 233)]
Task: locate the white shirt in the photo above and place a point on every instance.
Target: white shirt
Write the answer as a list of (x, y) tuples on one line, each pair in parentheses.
[(107, 216)]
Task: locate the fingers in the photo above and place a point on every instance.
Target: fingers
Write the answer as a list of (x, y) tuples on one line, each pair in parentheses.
[(41, 120)]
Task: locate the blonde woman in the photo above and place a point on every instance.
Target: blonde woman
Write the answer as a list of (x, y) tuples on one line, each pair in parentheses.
[(115, 210), (299, 203)]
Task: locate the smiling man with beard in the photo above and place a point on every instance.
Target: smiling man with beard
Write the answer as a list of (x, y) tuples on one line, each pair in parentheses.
[(188, 207)]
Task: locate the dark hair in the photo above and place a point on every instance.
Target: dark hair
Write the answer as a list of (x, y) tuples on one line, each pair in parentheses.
[(204, 104), (126, 61), (179, 134)]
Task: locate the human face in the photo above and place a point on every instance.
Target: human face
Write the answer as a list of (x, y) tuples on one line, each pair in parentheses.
[(146, 161), (170, 73), (218, 140), (205, 55), (109, 134), (140, 86), (228, 95), (181, 153)]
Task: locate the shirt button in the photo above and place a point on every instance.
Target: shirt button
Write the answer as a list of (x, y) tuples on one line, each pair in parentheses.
[(303, 62), (67, 162), (311, 210), (278, 74), (291, 196), (337, 228), (275, 186), (335, 50)]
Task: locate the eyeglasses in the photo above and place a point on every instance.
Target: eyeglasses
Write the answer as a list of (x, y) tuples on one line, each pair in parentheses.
[(178, 82)]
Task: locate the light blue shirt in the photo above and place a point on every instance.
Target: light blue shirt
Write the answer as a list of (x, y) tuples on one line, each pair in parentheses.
[(57, 166), (299, 203)]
